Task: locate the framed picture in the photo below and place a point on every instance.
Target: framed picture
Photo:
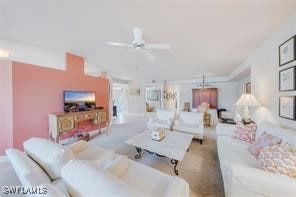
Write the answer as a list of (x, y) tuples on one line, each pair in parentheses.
[(287, 80), (287, 51), (165, 95), (248, 88), (135, 91), (173, 95), (287, 107), (153, 95)]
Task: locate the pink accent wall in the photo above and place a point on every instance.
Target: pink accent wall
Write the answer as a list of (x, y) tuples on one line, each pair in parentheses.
[(6, 134), (38, 91)]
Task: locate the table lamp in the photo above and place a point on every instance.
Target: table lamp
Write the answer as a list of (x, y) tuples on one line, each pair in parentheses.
[(247, 100)]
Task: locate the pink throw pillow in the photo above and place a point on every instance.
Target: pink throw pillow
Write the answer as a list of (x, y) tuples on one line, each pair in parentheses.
[(245, 132), (263, 141), (280, 159)]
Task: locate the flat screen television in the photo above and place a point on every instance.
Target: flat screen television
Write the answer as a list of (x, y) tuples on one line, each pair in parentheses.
[(75, 101)]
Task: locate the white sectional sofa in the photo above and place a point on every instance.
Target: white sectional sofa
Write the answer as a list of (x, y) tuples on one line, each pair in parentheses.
[(163, 119), (190, 122), (241, 171), (128, 179), (83, 170)]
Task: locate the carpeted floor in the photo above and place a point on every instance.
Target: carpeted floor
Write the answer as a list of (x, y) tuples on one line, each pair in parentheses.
[(200, 167)]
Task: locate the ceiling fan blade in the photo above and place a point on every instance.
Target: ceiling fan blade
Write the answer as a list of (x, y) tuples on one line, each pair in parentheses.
[(128, 53), (149, 55), (158, 46), (138, 35), (118, 44)]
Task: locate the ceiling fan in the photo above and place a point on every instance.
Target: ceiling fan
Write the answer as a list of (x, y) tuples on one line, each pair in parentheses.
[(139, 44)]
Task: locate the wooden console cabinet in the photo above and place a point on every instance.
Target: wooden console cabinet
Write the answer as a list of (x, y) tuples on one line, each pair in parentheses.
[(64, 122)]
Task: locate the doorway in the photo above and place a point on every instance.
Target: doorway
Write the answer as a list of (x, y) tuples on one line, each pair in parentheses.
[(153, 99), (119, 99)]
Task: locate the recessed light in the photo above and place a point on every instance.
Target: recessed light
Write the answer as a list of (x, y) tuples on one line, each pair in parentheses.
[(4, 53)]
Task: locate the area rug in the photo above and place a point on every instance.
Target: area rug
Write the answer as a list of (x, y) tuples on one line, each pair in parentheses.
[(200, 167)]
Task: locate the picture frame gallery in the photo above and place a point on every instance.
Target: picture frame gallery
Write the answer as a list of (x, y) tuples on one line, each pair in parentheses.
[(287, 79)]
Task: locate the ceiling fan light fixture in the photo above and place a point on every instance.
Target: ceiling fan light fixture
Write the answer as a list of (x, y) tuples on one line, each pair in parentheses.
[(140, 45)]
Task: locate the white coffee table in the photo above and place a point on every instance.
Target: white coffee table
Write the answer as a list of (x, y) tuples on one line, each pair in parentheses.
[(174, 145)]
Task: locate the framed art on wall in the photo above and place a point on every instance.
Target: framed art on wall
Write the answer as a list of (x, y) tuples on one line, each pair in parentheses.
[(287, 107), (135, 91), (153, 95), (287, 51), (166, 95), (287, 80), (173, 95)]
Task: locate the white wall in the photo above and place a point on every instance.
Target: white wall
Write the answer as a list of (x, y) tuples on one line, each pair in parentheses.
[(242, 85), (227, 93), (34, 54), (135, 103), (264, 74), (6, 111), (170, 104), (155, 104)]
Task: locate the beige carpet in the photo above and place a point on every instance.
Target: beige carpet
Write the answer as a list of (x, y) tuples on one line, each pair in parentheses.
[(200, 167)]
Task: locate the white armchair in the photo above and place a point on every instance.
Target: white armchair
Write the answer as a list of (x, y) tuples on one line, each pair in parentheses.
[(163, 119), (190, 122)]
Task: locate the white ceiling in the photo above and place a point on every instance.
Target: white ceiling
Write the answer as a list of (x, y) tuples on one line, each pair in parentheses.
[(212, 36)]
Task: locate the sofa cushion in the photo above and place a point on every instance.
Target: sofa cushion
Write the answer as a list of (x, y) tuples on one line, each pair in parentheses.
[(51, 156), (268, 128), (59, 184), (190, 128), (233, 151), (165, 115), (29, 173), (77, 147), (263, 141), (118, 166), (254, 182), (279, 159), (82, 178), (191, 118), (176, 188), (225, 129), (287, 135), (245, 132), (50, 190), (99, 156), (150, 181), (159, 124)]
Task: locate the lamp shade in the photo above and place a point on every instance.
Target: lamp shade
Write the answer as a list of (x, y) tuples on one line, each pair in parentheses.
[(247, 100)]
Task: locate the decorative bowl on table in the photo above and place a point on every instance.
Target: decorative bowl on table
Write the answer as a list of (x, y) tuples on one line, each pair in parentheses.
[(158, 134)]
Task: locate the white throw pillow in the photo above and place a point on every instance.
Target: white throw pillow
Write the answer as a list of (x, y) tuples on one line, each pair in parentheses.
[(29, 173), (82, 178), (49, 155), (118, 166)]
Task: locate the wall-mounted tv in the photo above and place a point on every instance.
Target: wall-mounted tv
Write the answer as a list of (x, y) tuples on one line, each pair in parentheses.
[(75, 101)]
